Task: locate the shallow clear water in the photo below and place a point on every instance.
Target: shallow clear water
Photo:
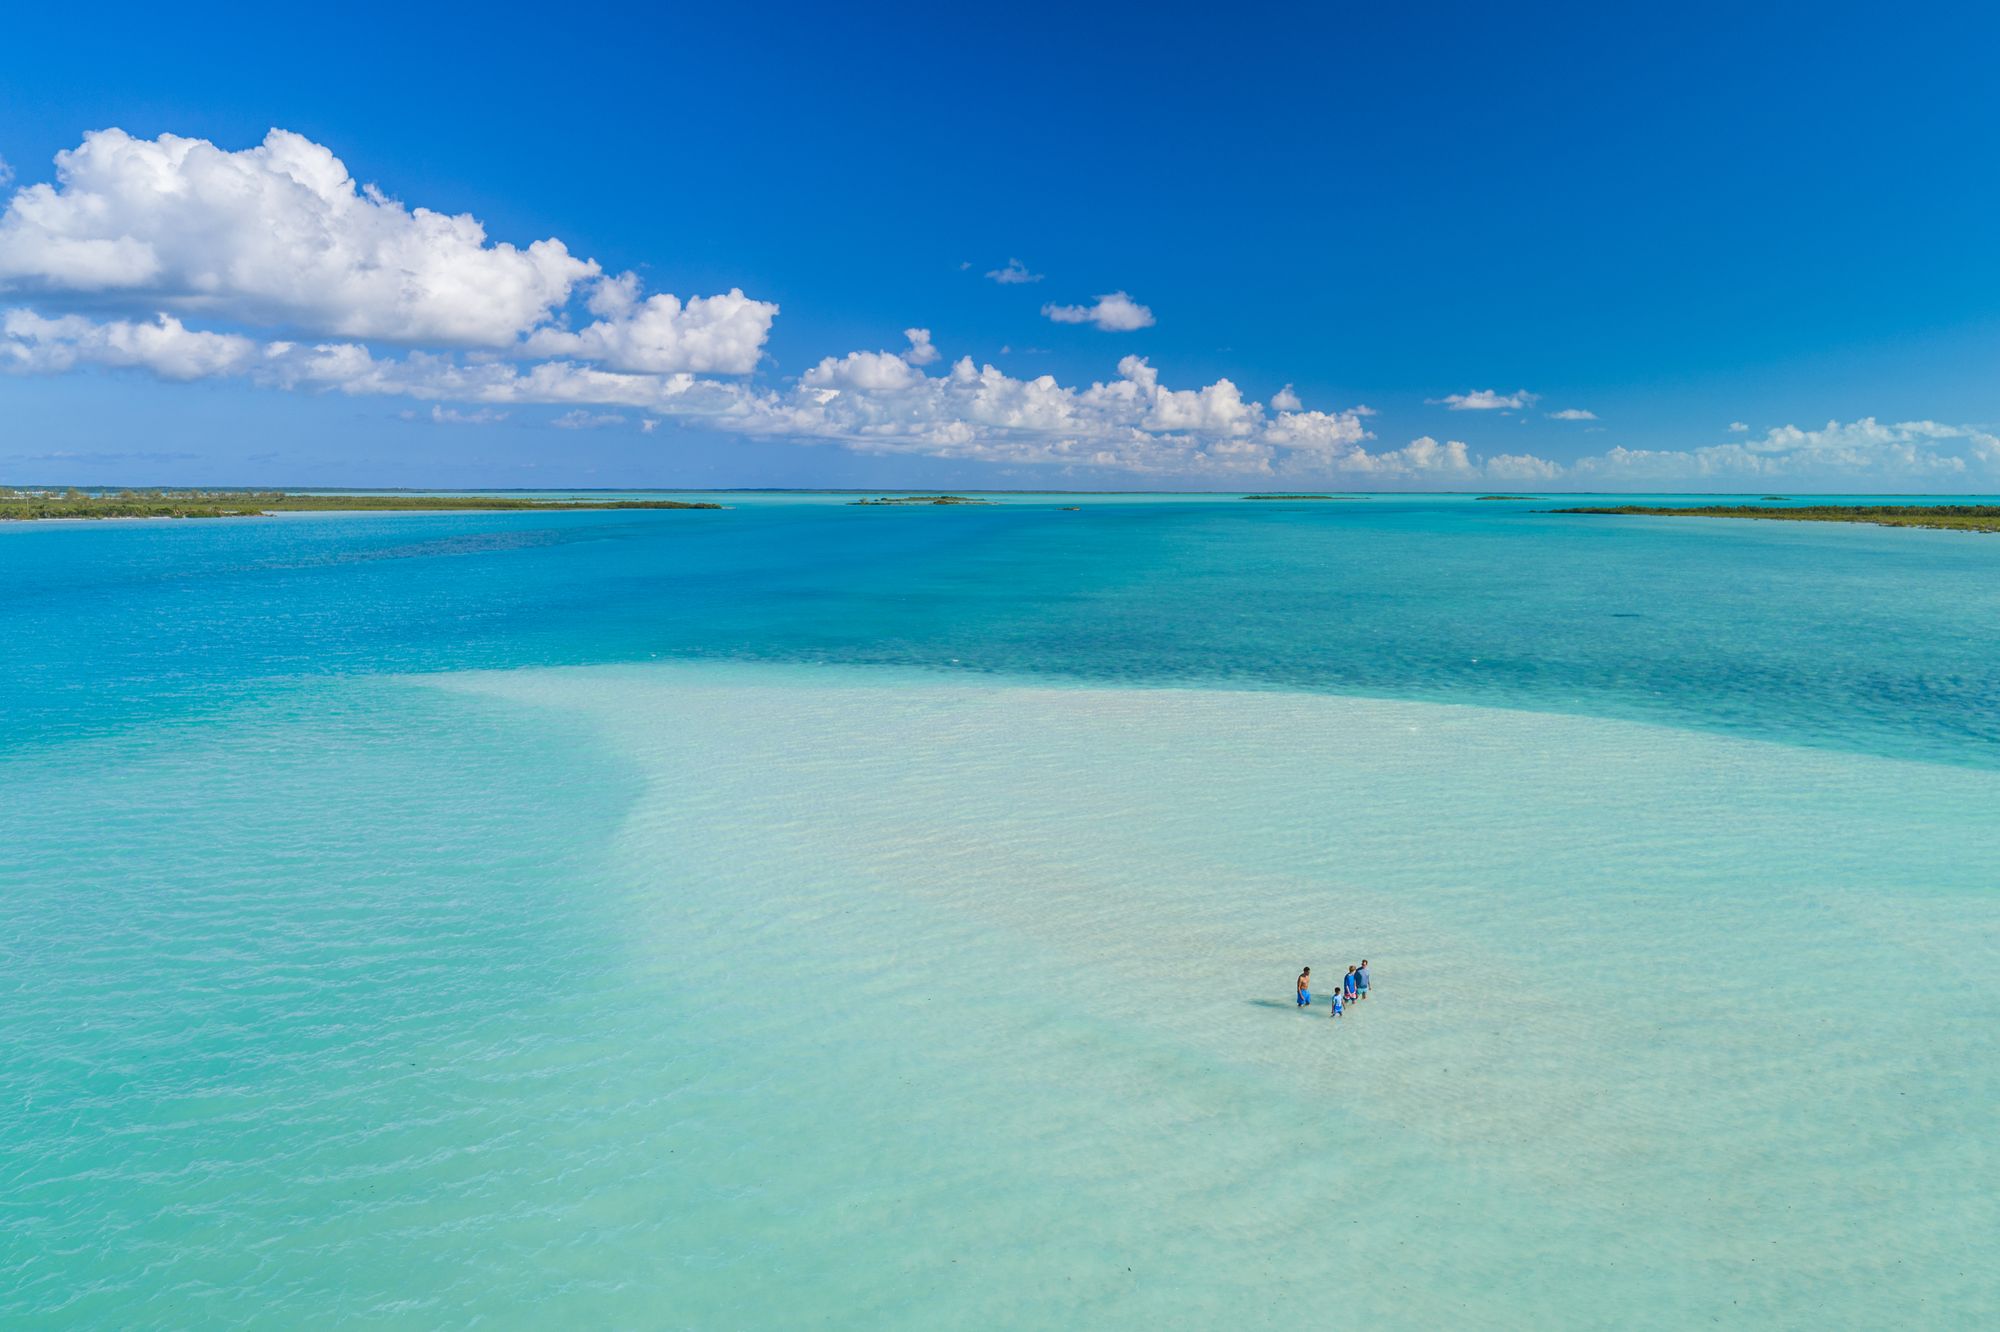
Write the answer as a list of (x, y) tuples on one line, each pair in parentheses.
[(838, 921), (1852, 637)]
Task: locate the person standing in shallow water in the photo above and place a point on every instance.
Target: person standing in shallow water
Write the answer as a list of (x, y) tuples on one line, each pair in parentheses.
[(1347, 985), (1361, 980), (1305, 987)]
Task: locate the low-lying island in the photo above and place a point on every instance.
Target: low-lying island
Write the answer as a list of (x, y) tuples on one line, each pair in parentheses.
[(33, 504), (1957, 517)]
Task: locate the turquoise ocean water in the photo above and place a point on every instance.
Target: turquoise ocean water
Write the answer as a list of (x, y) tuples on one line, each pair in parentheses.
[(812, 915)]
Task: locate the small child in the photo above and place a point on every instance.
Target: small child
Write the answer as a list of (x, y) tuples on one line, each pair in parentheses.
[(1336, 1003)]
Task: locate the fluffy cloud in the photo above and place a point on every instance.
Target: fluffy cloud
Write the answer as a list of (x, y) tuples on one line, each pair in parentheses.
[(1839, 454), (280, 236), (1521, 467), (1856, 452), (1427, 461), (351, 368), (872, 372), (873, 401), (1115, 313), (1573, 414), (1218, 409), (1486, 400), (1738, 427), (276, 235), (6, 174), (1856, 439), (658, 335), (33, 344), (879, 402), (1014, 272), (1134, 422), (1420, 456), (1317, 433), (146, 234)]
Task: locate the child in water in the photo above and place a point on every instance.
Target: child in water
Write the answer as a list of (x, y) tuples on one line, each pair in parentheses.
[(1336, 1003)]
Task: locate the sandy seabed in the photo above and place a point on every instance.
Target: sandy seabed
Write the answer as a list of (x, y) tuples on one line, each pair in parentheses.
[(1665, 1026)]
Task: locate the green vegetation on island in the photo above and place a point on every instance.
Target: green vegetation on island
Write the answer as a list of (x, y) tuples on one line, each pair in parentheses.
[(923, 499), (1507, 497), (1955, 517), (30, 504), (1294, 497)]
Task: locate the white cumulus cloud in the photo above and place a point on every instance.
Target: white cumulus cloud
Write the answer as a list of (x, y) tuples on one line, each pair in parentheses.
[(1852, 439), (33, 344), (716, 334), (1114, 313), (1422, 455), (1521, 467), (281, 236), (872, 372), (1837, 454), (1738, 427), (275, 235), (139, 242), (1316, 433)]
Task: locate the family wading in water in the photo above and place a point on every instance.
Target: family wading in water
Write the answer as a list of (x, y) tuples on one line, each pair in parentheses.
[(1353, 988)]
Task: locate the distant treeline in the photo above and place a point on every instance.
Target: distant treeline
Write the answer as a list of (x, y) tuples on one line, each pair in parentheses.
[(920, 499), (72, 503), (1958, 517)]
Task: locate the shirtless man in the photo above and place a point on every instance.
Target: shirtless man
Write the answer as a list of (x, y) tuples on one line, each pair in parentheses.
[(1305, 987)]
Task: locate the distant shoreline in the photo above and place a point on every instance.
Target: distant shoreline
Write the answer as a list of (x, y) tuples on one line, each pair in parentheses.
[(530, 491), (21, 506), (1945, 517)]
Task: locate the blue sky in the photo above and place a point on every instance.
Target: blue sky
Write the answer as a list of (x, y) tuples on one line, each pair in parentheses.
[(1439, 227)]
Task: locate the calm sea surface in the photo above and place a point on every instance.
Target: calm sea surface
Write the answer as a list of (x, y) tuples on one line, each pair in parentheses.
[(805, 914)]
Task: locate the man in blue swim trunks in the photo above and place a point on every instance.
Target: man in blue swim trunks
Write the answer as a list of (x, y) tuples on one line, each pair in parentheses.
[(1361, 980), (1305, 987)]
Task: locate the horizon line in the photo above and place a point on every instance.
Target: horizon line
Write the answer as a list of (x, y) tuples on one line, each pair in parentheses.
[(912, 490)]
